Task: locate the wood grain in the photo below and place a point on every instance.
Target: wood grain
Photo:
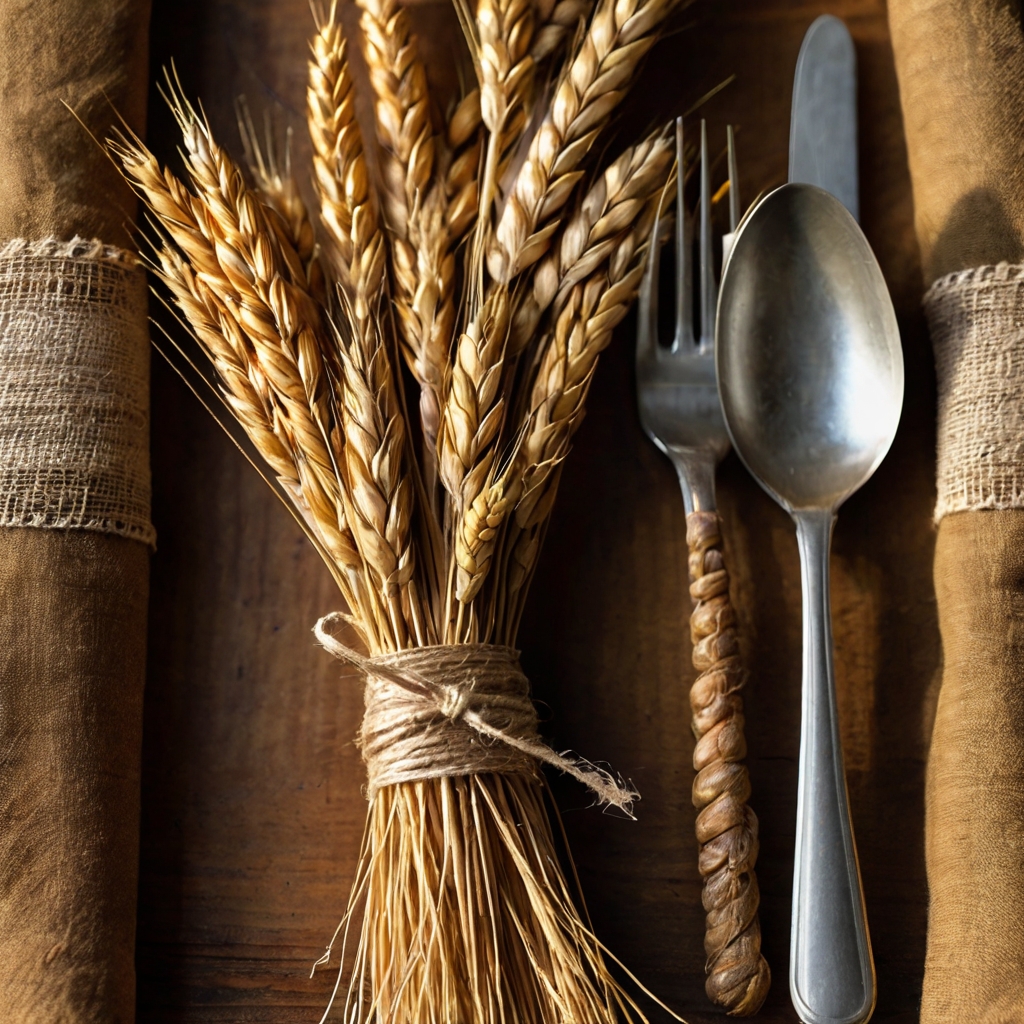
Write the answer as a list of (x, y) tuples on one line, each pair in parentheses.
[(252, 803)]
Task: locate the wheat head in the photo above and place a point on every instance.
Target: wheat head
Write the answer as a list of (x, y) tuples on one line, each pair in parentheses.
[(356, 246), (276, 186), (606, 215), (378, 491), (423, 267), (600, 71), (504, 30), (591, 311)]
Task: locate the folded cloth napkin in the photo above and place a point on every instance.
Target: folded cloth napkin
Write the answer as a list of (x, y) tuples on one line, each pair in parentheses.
[(960, 65), (74, 512)]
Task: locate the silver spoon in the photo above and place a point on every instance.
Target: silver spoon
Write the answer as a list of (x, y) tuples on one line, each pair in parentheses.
[(810, 374)]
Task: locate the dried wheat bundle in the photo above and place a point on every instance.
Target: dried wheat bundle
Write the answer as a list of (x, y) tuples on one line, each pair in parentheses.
[(485, 269)]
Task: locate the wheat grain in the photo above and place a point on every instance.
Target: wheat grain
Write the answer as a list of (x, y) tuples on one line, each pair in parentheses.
[(621, 32), (557, 20), (464, 139)]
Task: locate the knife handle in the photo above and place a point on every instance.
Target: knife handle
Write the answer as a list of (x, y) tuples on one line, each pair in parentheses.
[(738, 975)]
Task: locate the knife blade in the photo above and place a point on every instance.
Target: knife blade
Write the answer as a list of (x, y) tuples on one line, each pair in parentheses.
[(823, 120)]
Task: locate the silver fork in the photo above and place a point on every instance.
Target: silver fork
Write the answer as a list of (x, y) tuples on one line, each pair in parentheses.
[(677, 395)]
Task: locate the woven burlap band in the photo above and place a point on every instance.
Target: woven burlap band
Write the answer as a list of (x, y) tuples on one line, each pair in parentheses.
[(74, 383), (976, 318), (455, 710)]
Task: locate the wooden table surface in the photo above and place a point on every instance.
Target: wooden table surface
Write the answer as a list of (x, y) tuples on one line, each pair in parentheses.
[(252, 803)]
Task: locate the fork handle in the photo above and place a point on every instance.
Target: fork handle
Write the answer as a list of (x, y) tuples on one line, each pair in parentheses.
[(738, 975)]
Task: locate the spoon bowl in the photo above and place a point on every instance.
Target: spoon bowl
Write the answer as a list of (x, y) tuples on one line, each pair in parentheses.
[(809, 359)]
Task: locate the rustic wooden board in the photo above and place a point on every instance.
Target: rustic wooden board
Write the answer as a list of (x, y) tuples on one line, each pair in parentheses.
[(252, 804)]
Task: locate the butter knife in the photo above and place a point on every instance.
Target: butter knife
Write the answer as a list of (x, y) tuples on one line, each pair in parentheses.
[(823, 122)]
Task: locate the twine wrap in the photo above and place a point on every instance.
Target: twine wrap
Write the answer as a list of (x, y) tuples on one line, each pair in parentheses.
[(460, 709), (738, 977), (976, 320), (74, 387)]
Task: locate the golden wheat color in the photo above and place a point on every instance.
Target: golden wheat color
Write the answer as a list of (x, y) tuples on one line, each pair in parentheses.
[(507, 273)]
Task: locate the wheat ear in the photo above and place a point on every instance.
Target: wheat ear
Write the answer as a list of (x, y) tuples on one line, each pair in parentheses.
[(620, 33), (378, 490), (416, 208), (356, 247), (471, 425), (271, 171), (260, 380), (604, 218), (504, 30)]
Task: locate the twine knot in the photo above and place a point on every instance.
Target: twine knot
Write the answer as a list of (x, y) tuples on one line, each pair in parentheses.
[(452, 701), (455, 709)]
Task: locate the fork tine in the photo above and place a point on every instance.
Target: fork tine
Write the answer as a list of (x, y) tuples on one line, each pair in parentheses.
[(707, 277), (683, 339), (647, 300)]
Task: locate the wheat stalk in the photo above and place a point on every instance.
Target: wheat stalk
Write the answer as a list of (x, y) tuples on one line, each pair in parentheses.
[(476, 921), (620, 33)]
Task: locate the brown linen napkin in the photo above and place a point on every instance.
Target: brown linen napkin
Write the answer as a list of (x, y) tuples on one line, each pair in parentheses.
[(960, 65), (74, 513)]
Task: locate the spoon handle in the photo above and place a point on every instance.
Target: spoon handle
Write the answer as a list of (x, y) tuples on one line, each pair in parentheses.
[(831, 973)]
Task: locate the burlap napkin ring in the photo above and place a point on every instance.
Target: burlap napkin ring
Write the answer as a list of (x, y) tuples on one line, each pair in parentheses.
[(74, 388), (976, 319)]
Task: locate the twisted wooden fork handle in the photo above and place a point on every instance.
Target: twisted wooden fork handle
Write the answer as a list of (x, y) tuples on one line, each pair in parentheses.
[(738, 975)]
